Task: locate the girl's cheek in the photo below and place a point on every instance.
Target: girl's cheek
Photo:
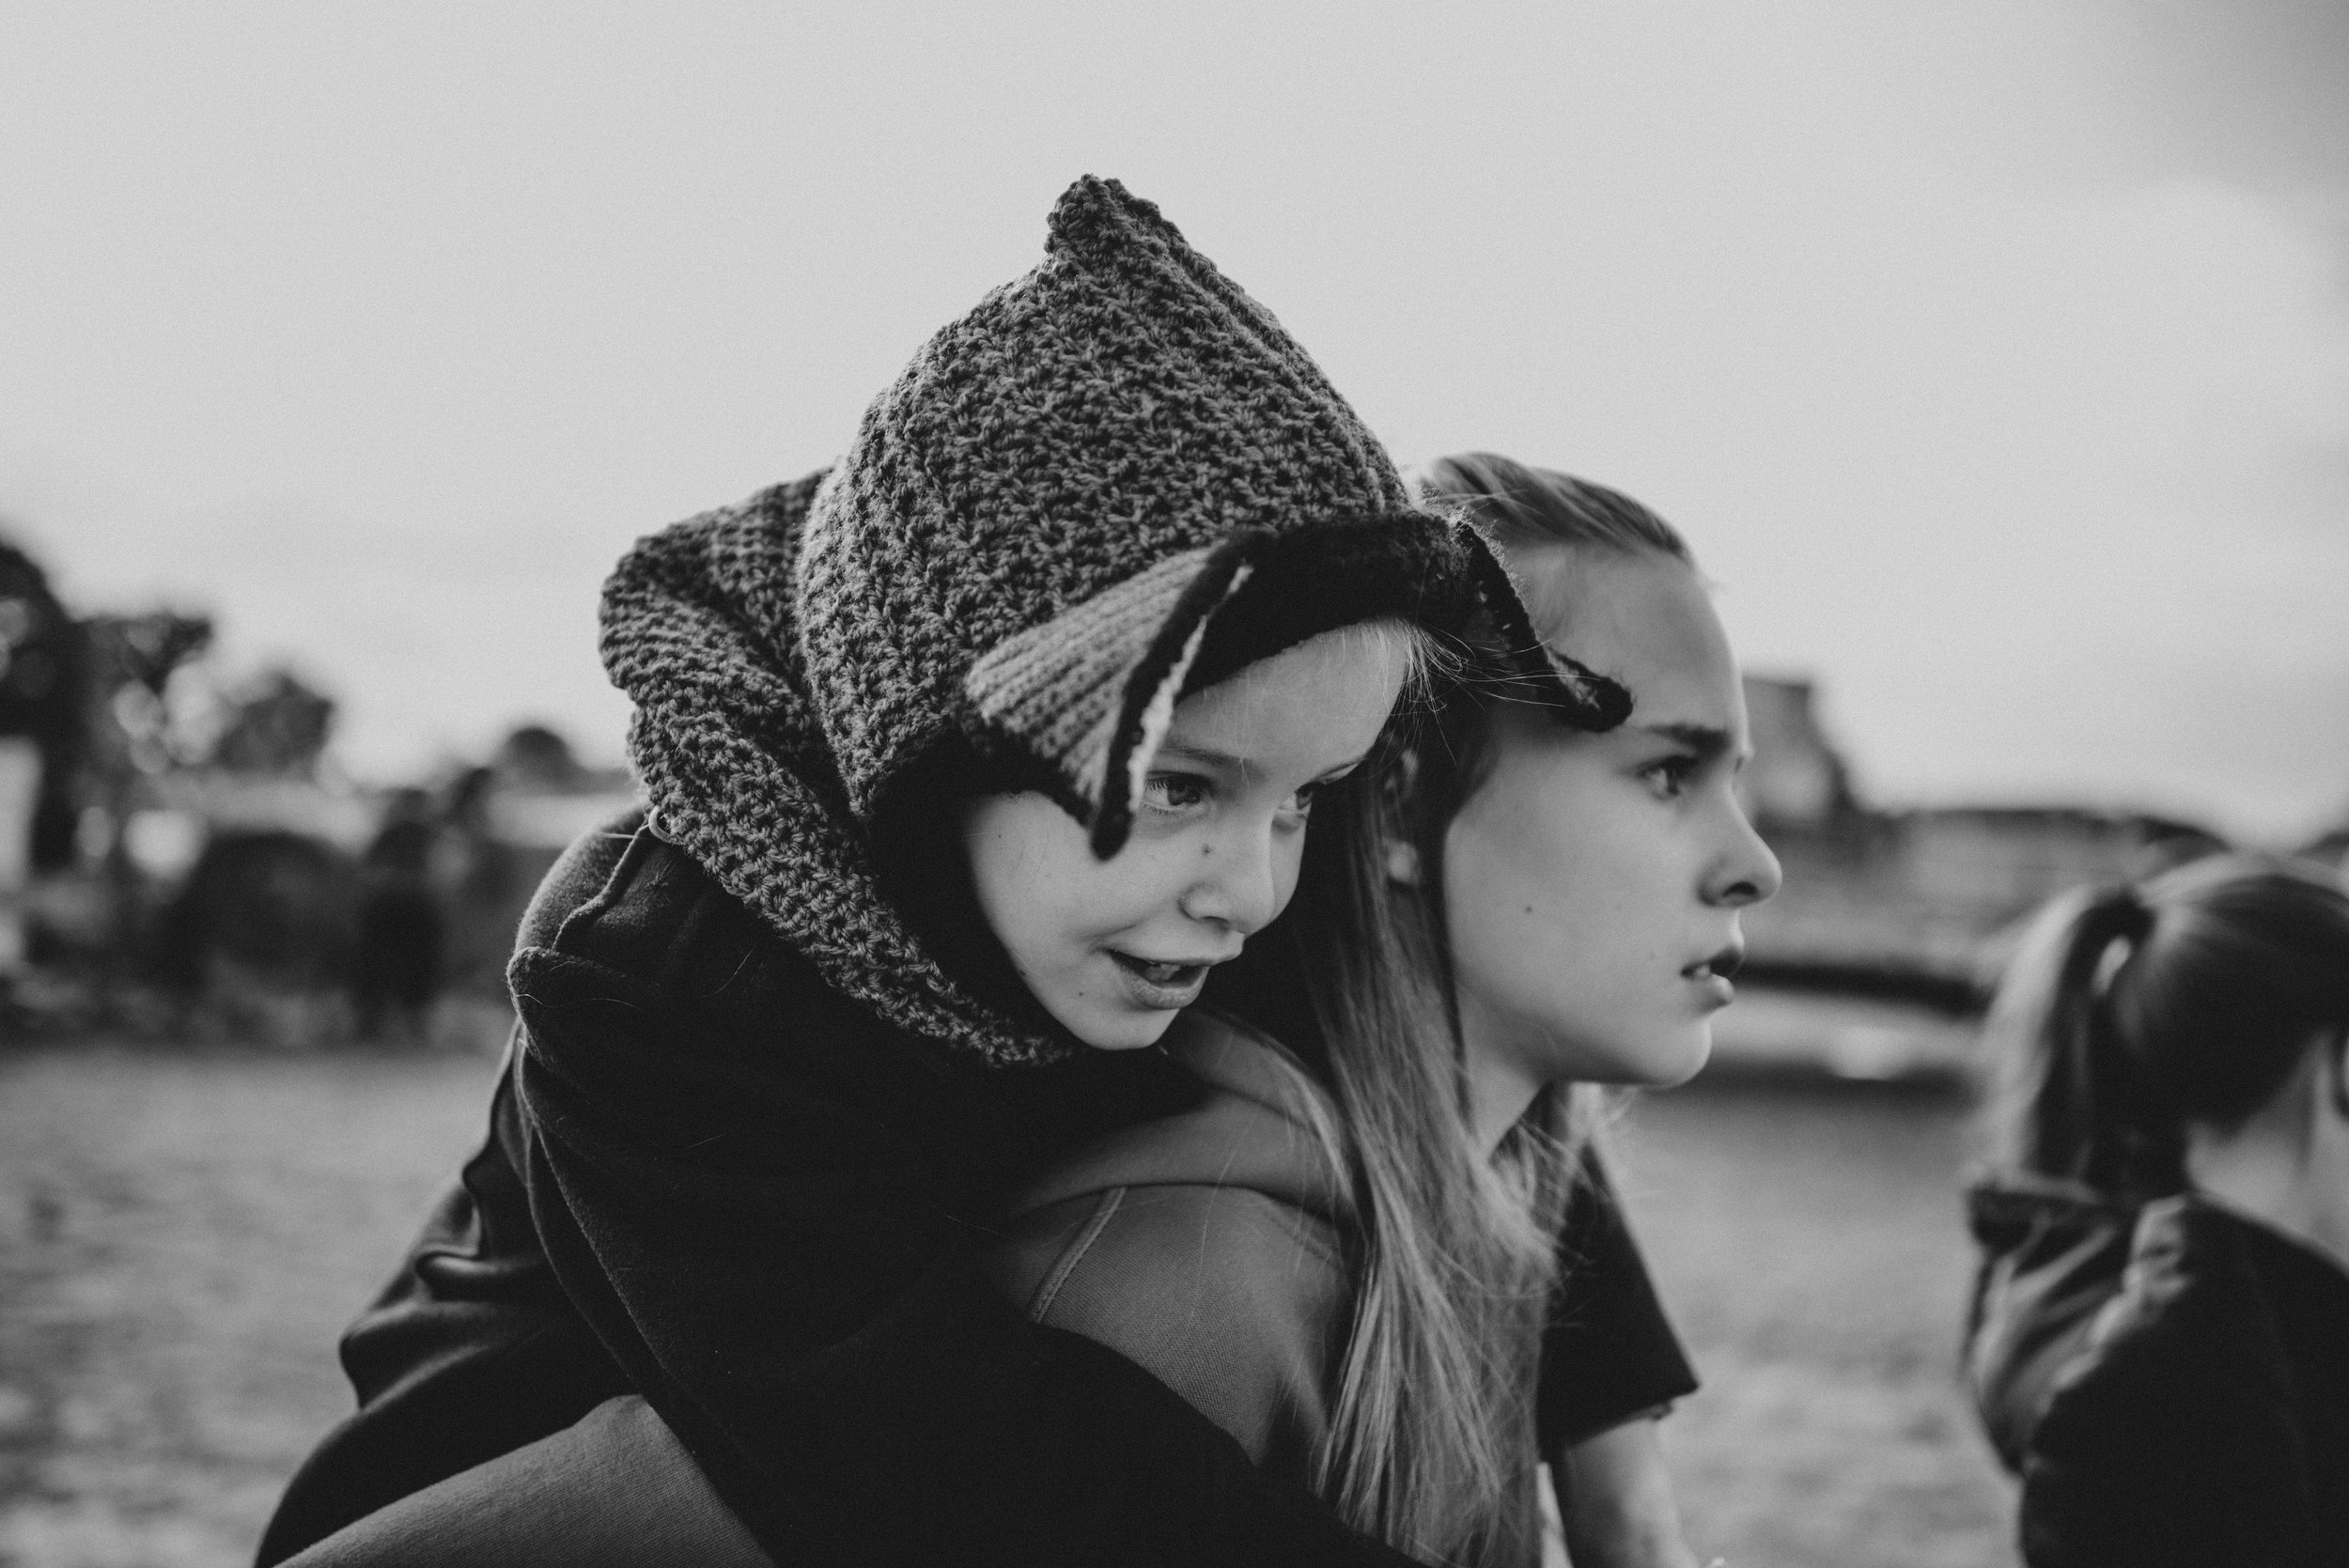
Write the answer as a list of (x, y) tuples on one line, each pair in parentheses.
[(1145, 875), (1284, 884)]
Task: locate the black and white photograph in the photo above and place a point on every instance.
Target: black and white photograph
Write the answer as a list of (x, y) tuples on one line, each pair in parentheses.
[(1493, 786)]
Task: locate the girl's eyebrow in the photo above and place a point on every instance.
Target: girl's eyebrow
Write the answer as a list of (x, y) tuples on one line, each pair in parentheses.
[(1208, 757), (1707, 740), (1204, 754)]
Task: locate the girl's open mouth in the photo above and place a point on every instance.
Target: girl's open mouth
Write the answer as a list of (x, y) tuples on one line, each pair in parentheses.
[(1722, 965), (1714, 974), (1156, 985), (1161, 975)]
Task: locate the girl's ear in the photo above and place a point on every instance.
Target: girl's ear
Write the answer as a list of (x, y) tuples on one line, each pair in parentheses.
[(1402, 863)]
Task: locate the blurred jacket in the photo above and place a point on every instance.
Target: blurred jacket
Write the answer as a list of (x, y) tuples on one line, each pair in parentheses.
[(2052, 1254), (2202, 1416)]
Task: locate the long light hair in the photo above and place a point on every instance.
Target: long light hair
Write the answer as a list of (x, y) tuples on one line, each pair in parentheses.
[(1431, 1434), (1431, 1444)]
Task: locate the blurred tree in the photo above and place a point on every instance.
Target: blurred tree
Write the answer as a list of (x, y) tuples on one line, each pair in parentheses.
[(275, 724), (40, 654), (127, 737), (45, 678), (148, 647), (131, 660)]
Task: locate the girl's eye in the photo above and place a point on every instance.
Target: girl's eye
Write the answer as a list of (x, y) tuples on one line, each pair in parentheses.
[(1669, 776), (1173, 791), (1300, 806)]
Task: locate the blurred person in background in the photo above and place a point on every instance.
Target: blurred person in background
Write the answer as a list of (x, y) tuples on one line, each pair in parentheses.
[(2159, 1342), (400, 940)]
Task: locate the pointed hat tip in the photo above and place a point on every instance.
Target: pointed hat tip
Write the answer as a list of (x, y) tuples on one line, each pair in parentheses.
[(1095, 212)]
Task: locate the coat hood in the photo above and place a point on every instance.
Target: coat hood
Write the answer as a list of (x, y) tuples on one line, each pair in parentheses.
[(2053, 1254), (1116, 480)]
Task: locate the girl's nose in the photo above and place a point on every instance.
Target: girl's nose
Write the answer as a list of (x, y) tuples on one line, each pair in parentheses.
[(1748, 871), (1237, 883)]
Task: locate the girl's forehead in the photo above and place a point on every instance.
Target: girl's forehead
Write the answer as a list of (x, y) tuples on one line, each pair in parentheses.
[(1646, 620), (1629, 614), (1324, 691)]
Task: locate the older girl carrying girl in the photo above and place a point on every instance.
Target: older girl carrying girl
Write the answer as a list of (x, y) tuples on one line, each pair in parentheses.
[(971, 763), (1348, 1257)]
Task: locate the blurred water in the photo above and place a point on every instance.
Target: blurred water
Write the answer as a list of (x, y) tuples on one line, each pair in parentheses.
[(1809, 1241), (184, 1233)]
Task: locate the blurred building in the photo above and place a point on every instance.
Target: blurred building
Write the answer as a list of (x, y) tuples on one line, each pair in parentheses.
[(1796, 779), (1912, 903)]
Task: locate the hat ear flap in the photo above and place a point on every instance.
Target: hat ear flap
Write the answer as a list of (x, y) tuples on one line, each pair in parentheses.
[(1536, 672), (1082, 703)]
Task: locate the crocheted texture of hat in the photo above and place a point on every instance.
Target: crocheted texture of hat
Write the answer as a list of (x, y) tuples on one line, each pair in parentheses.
[(1115, 480)]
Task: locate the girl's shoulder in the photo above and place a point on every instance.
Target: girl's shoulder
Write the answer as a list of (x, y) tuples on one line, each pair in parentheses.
[(2190, 1311), (1233, 1298), (1260, 1126), (1205, 1246), (2212, 1291)]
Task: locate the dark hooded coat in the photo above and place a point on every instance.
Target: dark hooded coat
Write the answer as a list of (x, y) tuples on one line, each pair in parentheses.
[(2170, 1382)]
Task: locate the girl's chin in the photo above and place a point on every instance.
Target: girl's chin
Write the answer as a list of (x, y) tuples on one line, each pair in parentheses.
[(1683, 1065), (1122, 1043), (1656, 1063), (1124, 1030)]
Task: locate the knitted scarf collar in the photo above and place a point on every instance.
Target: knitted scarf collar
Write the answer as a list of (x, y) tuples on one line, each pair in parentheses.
[(698, 630)]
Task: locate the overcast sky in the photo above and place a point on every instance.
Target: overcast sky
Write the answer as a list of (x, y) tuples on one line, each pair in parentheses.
[(1993, 356)]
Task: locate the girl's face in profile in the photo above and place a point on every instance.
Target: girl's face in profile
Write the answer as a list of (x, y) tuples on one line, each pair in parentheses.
[(1114, 948), (1592, 882)]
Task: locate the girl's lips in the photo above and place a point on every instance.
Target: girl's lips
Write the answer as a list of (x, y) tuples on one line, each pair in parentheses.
[(1161, 987), (1717, 987), (1712, 975)]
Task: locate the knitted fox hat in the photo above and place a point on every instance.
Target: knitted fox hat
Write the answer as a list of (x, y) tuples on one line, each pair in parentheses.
[(1114, 481)]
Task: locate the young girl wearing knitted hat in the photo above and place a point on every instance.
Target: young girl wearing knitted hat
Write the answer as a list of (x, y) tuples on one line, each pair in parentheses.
[(977, 751), (2160, 1335)]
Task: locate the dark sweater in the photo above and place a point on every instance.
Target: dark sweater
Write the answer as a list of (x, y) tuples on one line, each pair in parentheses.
[(2205, 1421), (712, 1179)]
